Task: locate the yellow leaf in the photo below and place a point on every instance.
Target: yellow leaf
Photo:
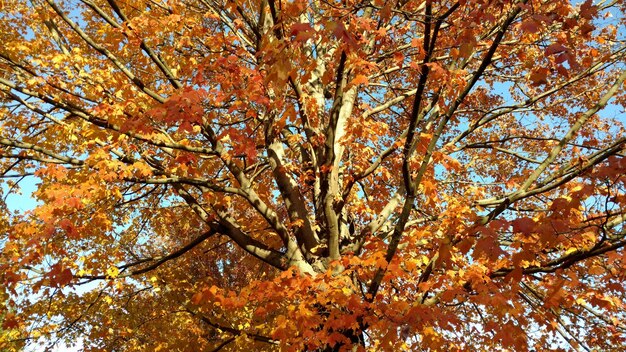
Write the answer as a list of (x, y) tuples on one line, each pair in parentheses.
[(113, 272)]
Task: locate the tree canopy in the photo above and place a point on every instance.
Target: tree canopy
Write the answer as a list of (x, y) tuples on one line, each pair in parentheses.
[(314, 175)]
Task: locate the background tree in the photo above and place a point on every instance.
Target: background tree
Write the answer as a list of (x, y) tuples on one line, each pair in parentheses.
[(266, 174)]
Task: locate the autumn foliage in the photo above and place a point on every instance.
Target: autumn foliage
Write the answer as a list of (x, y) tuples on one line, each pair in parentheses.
[(294, 175)]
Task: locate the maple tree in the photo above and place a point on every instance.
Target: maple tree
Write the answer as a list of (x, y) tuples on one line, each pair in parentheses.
[(314, 175)]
